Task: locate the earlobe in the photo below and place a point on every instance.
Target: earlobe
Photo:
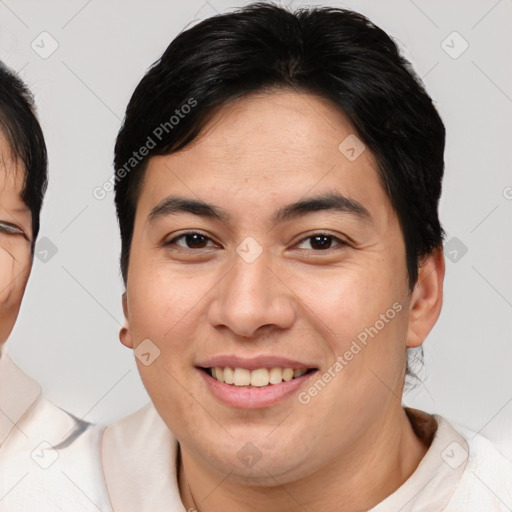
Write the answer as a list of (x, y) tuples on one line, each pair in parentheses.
[(124, 334), (427, 298)]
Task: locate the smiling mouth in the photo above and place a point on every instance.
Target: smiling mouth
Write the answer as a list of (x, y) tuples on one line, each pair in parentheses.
[(258, 378)]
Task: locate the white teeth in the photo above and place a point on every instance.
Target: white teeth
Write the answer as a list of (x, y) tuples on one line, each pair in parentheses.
[(260, 377), (219, 374), (287, 374), (242, 377), (276, 376), (228, 375)]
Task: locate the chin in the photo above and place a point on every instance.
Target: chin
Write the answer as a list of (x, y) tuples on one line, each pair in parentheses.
[(278, 472), (260, 464)]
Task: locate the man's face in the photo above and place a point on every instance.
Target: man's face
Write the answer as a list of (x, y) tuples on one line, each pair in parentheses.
[(251, 291), (15, 240)]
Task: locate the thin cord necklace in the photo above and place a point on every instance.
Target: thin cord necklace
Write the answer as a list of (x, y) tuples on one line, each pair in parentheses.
[(191, 495), (179, 462)]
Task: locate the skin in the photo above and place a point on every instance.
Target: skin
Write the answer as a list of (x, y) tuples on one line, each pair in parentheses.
[(352, 444), (15, 240)]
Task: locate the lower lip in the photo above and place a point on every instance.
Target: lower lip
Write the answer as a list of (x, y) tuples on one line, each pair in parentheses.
[(253, 398)]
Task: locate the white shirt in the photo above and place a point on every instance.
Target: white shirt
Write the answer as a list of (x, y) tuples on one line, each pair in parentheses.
[(461, 471), (49, 460)]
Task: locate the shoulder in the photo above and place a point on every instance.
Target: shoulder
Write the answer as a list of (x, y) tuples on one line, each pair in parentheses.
[(51, 462), (486, 483), (136, 426), (141, 444), (139, 437)]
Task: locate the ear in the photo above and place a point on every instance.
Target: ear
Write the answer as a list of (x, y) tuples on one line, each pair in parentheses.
[(124, 334), (426, 298)]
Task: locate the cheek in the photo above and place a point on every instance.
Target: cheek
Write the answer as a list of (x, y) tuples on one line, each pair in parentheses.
[(360, 312), (164, 302), (151, 300), (13, 279), (6, 274), (14, 274), (163, 308), (343, 301)]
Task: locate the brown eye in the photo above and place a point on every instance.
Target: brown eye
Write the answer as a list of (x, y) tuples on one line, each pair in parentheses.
[(191, 241), (322, 242)]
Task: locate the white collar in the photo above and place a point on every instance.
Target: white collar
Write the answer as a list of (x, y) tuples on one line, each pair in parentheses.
[(139, 464), (18, 392), (140, 456), (437, 476)]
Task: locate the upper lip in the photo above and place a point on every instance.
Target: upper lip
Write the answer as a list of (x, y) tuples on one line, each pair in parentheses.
[(253, 363)]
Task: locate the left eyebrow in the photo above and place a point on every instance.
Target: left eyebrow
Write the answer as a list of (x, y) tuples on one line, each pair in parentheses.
[(325, 202)]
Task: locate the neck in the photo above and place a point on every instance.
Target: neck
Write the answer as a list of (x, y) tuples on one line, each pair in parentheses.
[(378, 464)]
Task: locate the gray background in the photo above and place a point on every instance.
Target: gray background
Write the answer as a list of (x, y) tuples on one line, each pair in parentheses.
[(67, 333)]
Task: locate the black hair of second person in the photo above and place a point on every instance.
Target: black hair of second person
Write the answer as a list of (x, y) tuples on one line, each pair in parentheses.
[(23, 134), (336, 54)]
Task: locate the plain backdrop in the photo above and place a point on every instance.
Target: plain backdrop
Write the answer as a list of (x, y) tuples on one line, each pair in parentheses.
[(67, 333)]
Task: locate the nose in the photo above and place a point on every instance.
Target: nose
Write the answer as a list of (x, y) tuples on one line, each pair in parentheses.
[(252, 298)]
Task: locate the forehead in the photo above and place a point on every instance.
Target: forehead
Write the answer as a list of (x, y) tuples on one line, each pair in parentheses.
[(12, 176), (278, 127), (266, 148)]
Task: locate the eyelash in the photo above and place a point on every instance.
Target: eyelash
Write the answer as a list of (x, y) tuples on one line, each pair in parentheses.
[(341, 243)]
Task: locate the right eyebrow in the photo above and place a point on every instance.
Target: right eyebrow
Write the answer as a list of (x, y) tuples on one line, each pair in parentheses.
[(176, 204)]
